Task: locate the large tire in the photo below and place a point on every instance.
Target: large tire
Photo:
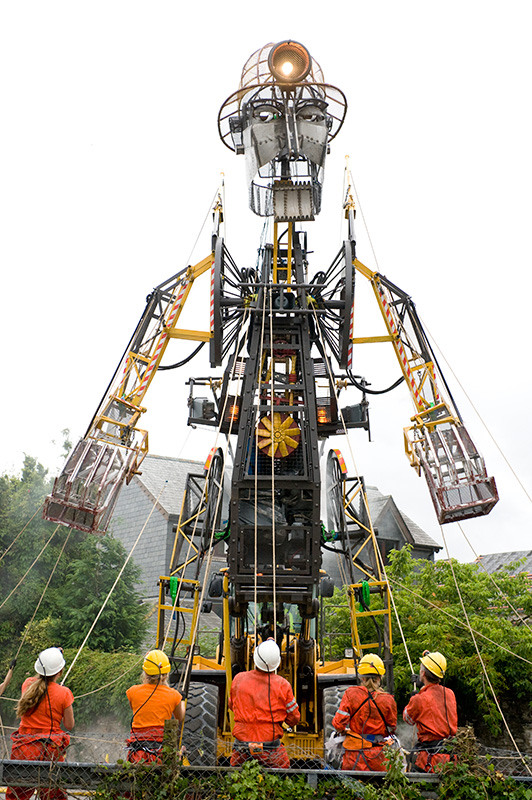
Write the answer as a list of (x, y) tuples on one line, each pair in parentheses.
[(200, 735), (332, 696)]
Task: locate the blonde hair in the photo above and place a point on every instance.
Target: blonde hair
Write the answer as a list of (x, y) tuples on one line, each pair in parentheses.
[(33, 695), (372, 682), (155, 679)]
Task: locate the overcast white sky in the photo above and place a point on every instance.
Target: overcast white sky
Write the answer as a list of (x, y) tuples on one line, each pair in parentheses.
[(110, 158)]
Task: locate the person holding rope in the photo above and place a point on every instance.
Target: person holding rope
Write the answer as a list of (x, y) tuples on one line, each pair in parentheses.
[(368, 716), (44, 706), (433, 711), (261, 701), (153, 701), (7, 680)]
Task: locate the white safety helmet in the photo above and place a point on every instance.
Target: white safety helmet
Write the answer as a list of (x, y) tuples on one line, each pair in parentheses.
[(50, 662), (267, 656)]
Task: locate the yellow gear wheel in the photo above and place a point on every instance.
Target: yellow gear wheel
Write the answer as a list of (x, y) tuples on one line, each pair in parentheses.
[(279, 439)]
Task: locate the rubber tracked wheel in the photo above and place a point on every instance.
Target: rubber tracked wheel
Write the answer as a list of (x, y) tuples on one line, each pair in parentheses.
[(200, 732), (332, 696)]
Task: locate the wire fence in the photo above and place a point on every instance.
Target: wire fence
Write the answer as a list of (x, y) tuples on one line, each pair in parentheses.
[(105, 748), (154, 781)]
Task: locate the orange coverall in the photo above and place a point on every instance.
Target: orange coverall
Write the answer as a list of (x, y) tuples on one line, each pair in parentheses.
[(261, 702), (40, 737), (433, 711), (151, 706), (358, 713)]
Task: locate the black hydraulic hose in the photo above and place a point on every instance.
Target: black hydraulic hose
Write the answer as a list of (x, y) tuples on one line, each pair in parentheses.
[(176, 642), (357, 562), (334, 549), (366, 390), (115, 373), (185, 360)]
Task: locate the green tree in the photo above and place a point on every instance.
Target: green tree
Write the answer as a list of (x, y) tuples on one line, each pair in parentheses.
[(431, 609), (122, 624), (82, 578), (23, 534), (432, 617)]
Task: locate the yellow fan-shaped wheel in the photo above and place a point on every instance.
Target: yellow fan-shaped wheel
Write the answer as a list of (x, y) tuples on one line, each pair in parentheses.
[(279, 439)]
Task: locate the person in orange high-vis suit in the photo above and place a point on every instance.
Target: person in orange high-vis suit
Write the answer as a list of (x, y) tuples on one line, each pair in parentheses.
[(433, 711), (44, 706), (153, 701), (368, 716), (261, 701)]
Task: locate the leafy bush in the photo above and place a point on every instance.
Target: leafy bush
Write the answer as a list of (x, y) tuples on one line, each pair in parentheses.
[(252, 782), (432, 618), (88, 681)]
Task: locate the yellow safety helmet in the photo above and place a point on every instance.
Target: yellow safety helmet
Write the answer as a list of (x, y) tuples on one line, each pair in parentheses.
[(156, 663), (435, 663), (371, 664)]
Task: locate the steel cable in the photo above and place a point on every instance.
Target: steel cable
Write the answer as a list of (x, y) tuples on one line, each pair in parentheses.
[(113, 587), (485, 671), (30, 567), (19, 534), (378, 556)]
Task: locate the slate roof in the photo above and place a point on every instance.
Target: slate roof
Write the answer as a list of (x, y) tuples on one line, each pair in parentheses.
[(495, 561), (377, 502), (420, 537), (169, 475), (380, 504)]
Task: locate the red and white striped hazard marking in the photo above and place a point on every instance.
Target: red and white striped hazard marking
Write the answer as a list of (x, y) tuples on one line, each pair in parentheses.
[(212, 297), (351, 334), (400, 349), (162, 338)]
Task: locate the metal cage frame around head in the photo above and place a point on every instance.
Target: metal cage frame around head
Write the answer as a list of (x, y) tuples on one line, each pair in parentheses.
[(256, 75)]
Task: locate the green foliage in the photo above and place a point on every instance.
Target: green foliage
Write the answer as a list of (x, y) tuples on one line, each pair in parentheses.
[(432, 618), (83, 576), (337, 624), (150, 782), (20, 500), (252, 782), (208, 642), (87, 583), (491, 618), (92, 671), (38, 635), (469, 779)]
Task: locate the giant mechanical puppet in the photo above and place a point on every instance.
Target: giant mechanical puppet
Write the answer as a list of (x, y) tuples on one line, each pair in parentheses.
[(283, 336)]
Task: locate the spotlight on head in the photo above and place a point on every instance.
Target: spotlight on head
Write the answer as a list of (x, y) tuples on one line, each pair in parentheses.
[(289, 62)]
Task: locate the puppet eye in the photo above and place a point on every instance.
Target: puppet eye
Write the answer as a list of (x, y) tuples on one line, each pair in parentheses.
[(266, 113), (310, 113)]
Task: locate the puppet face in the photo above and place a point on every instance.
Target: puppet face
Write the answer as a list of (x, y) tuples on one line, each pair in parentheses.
[(285, 129), (281, 121)]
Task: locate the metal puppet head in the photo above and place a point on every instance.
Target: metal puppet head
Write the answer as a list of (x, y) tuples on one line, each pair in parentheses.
[(282, 118)]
